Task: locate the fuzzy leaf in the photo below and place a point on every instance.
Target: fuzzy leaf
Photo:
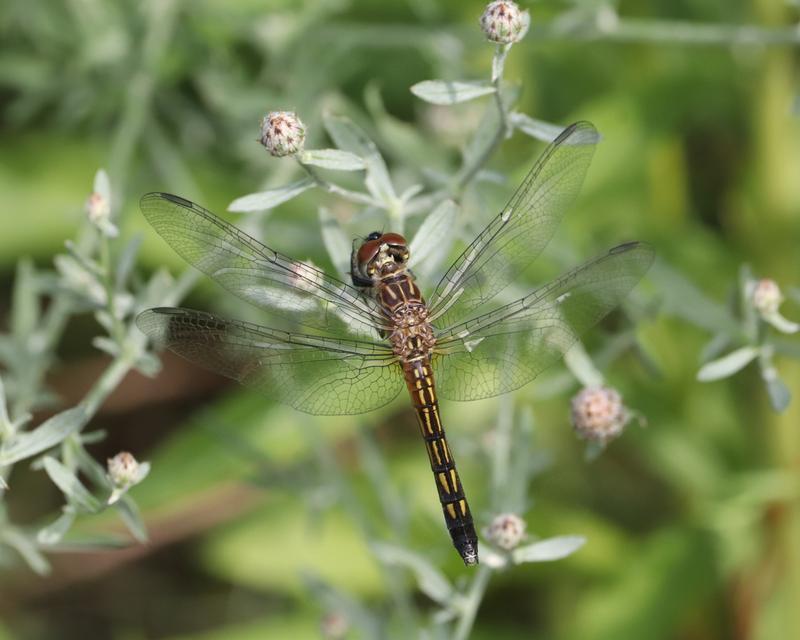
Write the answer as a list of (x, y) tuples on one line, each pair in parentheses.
[(53, 533), (547, 550), (538, 129), (129, 514), (430, 580), (433, 239), (332, 159), (443, 92), (727, 365), (65, 480), (26, 548), (264, 200), (46, 435), (336, 242)]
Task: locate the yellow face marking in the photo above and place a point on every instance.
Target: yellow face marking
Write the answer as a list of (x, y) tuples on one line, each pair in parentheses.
[(451, 510), (445, 451), (463, 506), (435, 448), (454, 479), (443, 482)]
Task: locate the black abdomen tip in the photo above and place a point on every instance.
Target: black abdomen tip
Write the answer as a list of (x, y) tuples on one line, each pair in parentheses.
[(469, 553)]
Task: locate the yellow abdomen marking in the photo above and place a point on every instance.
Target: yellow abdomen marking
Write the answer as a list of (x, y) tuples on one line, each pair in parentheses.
[(463, 506), (451, 510), (443, 482)]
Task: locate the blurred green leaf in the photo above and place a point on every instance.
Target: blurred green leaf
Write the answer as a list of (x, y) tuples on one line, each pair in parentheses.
[(336, 242), (433, 240), (430, 580), (26, 548), (72, 488), (727, 365), (442, 92), (130, 515), (537, 129), (53, 533)]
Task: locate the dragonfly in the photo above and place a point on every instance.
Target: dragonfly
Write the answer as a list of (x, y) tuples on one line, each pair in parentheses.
[(351, 347)]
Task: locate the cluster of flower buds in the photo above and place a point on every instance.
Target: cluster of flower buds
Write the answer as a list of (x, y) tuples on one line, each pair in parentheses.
[(598, 414), (282, 133), (504, 23)]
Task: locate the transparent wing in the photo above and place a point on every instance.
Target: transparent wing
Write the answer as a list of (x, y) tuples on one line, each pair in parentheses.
[(521, 231), (317, 375), (256, 273), (502, 350)]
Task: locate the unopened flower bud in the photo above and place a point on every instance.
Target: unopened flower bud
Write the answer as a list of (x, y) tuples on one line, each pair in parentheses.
[(598, 414), (123, 469), (506, 531), (335, 626), (767, 296), (282, 133), (98, 208), (503, 22)]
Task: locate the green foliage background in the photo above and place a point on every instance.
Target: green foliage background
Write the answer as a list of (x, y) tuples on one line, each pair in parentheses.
[(692, 523)]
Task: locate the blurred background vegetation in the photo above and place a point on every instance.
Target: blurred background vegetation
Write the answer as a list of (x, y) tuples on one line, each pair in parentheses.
[(692, 523)]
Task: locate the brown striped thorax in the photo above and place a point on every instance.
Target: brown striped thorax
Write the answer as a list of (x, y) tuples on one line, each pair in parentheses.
[(381, 264)]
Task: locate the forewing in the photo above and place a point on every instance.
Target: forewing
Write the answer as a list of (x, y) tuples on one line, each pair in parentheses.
[(321, 376), (508, 347), (515, 238), (258, 274)]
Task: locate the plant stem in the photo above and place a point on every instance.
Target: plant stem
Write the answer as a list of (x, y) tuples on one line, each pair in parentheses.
[(472, 602)]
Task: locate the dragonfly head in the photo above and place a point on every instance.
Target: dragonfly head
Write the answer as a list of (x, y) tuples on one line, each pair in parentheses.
[(380, 254)]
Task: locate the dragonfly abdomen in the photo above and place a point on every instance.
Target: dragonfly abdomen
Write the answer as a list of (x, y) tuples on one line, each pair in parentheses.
[(419, 379)]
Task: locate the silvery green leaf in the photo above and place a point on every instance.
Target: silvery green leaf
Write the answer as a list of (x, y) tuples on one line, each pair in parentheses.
[(53, 533), (433, 239), (26, 548), (581, 366), (102, 184), (547, 550), (106, 345), (335, 159), (6, 428), (349, 137), (265, 200), (126, 261), (715, 346), (46, 435), (443, 92), (779, 394), (65, 480), (25, 303), (782, 324), (430, 580), (148, 365), (336, 242), (538, 129), (129, 514), (727, 365)]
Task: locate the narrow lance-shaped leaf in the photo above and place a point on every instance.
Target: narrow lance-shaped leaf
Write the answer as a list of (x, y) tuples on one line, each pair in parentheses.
[(442, 92), (65, 480), (335, 159), (433, 239), (339, 248), (130, 515), (548, 550), (53, 533), (48, 434), (264, 200), (538, 129), (779, 394), (727, 365)]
